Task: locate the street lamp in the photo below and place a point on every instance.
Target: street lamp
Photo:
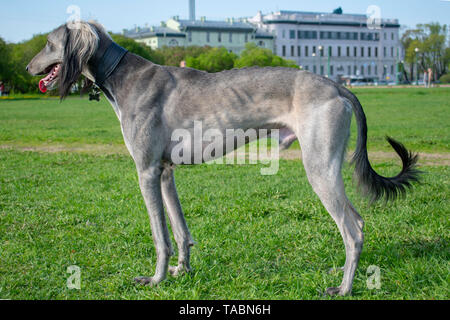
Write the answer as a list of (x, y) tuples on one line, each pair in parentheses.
[(314, 55), (328, 61), (417, 66), (396, 69), (320, 59)]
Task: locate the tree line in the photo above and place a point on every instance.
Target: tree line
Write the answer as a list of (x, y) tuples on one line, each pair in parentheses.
[(15, 57), (426, 46)]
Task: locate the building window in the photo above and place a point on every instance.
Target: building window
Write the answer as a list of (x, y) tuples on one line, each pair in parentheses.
[(291, 34), (262, 44), (392, 36), (339, 51), (376, 70), (385, 36), (384, 52), (292, 51), (306, 51), (299, 51), (392, 69), (304, 34), (369, 51), (355, 51), (348, 51), (219, 37), (376, 52), (392, 51), (284, 51), (330, 51), (230, 37), (190, 36), (369, 70), (362, 51), (314, 49), (173, 43), (207, 36), (315, 69), (355, 70), (349, 70), (321, 51), (331, 70), (306, 68), (322, 70), (362, 70), (246, 38)]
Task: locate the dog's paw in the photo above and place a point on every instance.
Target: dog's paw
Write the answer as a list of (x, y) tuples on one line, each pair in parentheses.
[(178, 270), (147, 281), (333, 291)]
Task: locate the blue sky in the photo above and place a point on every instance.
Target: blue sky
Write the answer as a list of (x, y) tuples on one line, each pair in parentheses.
[(20, 19)]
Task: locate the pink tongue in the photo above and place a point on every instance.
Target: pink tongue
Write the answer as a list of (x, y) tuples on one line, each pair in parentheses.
[(42, 86)]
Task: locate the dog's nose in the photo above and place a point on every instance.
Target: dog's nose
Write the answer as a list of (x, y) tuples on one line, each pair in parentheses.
[(26, 68)]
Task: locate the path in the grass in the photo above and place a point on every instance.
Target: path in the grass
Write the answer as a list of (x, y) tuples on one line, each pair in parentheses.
[(429, 159)]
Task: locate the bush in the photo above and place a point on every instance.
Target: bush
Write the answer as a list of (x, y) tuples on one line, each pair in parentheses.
[(445, 78), (256, 56), (214, 60)]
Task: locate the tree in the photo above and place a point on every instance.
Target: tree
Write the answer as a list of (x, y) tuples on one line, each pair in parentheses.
[(256, 56), (138, 48), (432, 42), (5, 61), (21, 54), (214, 60), (172, 56)]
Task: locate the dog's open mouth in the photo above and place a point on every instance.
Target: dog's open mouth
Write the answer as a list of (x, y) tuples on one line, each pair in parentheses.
[(48, 82)]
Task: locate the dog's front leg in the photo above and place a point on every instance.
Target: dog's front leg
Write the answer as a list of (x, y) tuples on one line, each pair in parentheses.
[(150, 183), (180, 229)]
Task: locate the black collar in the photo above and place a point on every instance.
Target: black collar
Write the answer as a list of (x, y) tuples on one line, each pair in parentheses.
[(104, 63)]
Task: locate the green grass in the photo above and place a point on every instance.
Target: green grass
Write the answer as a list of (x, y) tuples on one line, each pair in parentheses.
[(46, 121), (417, 117), (258, 237)]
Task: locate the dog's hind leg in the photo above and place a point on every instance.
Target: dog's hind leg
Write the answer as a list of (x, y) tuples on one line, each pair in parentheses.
[(323, 138), (150, 183), (179, 227)]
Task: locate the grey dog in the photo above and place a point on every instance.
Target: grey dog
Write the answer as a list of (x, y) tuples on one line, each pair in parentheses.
[(151, 101)]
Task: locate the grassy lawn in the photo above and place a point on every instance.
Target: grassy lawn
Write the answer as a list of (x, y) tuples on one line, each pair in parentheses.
[(417, 117), (258, 237)]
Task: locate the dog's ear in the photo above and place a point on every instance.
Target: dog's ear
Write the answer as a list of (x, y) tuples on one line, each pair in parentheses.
[(80, 44)]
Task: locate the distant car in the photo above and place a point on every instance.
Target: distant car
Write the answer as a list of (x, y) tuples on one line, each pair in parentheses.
[(391, 83)]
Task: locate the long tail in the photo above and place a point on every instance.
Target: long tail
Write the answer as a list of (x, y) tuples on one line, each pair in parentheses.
[(372, 184)]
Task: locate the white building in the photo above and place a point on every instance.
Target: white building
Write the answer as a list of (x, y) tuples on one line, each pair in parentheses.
[(336, 45), (231, 34)]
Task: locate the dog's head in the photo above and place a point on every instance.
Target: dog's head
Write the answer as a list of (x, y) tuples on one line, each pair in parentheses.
[(65, 56)]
